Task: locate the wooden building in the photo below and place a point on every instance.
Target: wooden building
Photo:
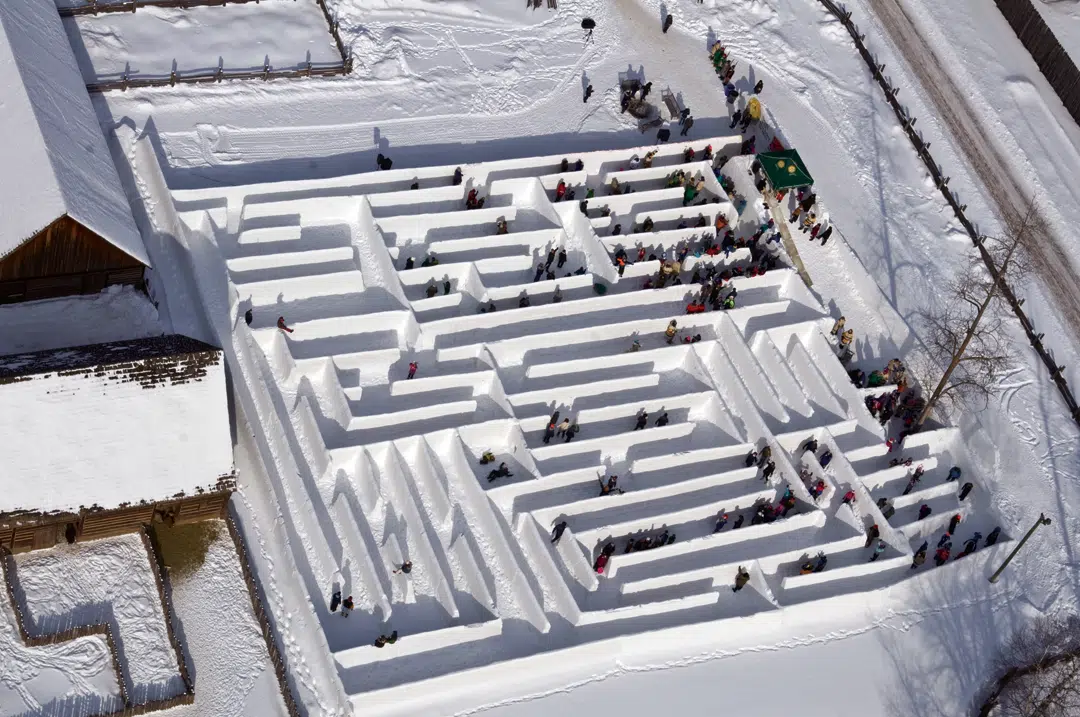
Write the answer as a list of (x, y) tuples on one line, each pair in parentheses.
[(98, 440), (62, 259), (66, 226)]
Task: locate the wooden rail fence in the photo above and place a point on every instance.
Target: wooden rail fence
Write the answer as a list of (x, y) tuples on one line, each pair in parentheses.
[(343, 66), (93, 7), (103, 630), (922, 149)]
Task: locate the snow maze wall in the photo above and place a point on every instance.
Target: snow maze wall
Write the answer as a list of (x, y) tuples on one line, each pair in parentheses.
[(374, 468)]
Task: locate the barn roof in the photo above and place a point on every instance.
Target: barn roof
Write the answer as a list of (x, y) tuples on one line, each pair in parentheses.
[(83, 357), (54, 159), (113, 423)]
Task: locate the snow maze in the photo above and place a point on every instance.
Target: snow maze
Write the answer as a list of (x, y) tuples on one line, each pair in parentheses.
[(372, 469)]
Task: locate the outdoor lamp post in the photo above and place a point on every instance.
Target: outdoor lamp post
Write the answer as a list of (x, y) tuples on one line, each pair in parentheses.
[(1043, 520)]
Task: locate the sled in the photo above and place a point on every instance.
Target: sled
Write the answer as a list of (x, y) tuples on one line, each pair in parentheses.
[(671, 102)]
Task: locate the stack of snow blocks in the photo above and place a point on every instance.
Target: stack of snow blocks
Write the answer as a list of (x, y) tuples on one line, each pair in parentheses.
[(375, 468)]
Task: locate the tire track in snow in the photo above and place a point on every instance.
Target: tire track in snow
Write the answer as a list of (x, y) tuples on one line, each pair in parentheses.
[(1004, 189)]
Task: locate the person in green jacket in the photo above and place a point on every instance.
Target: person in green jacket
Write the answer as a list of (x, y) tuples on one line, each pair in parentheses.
[(876, 379), (688, 194)]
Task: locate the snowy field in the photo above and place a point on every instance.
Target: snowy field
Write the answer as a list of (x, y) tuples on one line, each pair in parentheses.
[(232, 672), (1063, 17), (111, 581), (116, 314), (364, 468), (153, 42)]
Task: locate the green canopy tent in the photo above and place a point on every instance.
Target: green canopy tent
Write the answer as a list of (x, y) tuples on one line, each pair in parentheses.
[(785, 169)]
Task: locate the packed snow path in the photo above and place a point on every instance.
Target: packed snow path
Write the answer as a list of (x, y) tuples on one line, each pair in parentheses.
[(387, 468)]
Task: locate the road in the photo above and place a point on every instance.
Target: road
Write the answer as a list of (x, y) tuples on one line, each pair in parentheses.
[(1007, 194)]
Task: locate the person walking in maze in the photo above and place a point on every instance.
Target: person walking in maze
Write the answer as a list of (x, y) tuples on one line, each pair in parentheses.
[(412, 368), (557, 533), (347, 606), (642, 419), (384, 640), (920, 555)]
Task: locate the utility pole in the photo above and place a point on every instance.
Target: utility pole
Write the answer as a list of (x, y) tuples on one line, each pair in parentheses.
[(1043, 520)]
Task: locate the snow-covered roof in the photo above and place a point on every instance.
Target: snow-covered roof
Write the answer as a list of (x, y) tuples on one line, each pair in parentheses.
[(112, 423), (53, 156)]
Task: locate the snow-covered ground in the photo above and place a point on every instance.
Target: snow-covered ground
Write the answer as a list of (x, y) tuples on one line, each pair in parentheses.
[(155, 41), (1063, 17), (390, 479), (111, 581), (429, 90), (116, 314), (232, 672), (107, 581)]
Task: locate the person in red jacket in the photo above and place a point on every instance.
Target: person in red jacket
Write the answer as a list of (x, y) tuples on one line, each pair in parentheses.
[(281, 324), (412, 368), (601, 563)]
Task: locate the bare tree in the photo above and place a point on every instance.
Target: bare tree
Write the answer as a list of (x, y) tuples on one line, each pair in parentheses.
[(1040, 671), (967, 336)]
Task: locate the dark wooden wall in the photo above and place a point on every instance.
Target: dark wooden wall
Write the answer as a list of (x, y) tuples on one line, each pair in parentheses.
[(65, 258), (37, 532), (1049, 55)]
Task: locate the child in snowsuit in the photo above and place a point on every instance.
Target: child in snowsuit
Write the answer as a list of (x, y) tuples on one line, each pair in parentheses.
[(281, 325), (847, 337), (878, 550), (501, 472)]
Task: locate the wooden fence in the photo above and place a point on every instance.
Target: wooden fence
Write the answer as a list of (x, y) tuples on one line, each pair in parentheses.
[(921, 148), (103, 630), (97, 7), (1049, 55), (343, 66)]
